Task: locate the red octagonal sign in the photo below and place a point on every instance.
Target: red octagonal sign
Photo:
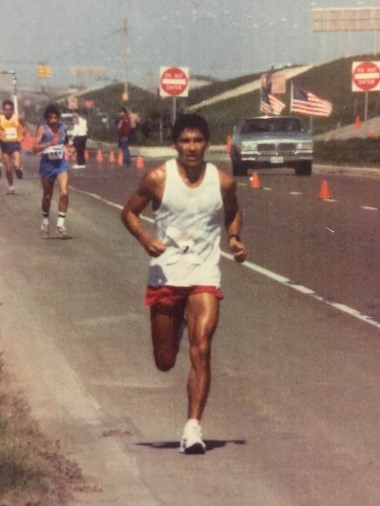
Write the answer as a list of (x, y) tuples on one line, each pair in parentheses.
[(365, 76), (174, 81)]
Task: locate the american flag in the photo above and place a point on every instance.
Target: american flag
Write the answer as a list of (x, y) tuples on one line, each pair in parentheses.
[(305, 102), (269, 104)]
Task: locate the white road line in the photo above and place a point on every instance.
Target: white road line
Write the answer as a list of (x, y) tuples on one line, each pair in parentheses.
[(368, 208), (306, 291), (269, 274)]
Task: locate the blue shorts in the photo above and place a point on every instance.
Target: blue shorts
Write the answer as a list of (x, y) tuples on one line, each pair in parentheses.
[(49, 169), (8, 148)]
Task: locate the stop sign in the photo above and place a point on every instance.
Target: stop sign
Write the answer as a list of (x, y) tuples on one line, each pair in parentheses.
[(366, 76), (174, 81)]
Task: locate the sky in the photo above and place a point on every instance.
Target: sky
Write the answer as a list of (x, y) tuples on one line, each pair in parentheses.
[(218, 38)]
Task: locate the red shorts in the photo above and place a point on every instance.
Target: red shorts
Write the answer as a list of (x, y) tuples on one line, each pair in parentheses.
[(173, 295)]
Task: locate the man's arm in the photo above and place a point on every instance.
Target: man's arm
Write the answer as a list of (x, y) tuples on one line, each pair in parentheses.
[(232, 216), (38, 146), (149, 190)]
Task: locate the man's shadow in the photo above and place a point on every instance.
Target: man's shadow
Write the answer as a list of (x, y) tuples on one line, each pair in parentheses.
[(58, 238), (211, 444)]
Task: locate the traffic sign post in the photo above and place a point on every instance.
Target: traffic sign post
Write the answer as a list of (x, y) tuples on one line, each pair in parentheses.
[(174, 82), (365, 77)]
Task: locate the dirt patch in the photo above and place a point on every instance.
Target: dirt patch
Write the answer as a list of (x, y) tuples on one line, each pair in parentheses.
[(33, 470)]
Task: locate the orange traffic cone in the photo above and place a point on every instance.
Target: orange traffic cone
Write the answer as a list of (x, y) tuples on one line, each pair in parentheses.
[(324, 193), (358, 123), (255, 181), (228, 144), (140, 162), (120, 158), (99, 156), (112, 157), (86, 155)]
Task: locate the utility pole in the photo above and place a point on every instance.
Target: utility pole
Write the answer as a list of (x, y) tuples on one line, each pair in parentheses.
[(126, 59)]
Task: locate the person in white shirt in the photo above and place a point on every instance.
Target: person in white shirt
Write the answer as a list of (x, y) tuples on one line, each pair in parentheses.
[(191, 201), (80, 139)]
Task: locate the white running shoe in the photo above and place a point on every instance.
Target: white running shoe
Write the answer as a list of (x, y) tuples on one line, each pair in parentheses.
[(191, 442), (45, 227), (11, 191), (62, 231)]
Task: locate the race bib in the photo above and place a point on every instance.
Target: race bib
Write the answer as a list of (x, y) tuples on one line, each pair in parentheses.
[(11, 134), (55, 152)]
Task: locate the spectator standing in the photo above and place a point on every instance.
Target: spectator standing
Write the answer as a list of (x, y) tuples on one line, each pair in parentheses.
[(135, 122), (80, 139), (123, 131)]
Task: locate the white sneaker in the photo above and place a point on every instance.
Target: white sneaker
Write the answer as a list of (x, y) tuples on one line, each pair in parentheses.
[(45, 227), (11, 191), (62, 230), (191, 442)]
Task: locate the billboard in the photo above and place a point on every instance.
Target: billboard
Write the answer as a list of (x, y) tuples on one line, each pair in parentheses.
[(348, 19)]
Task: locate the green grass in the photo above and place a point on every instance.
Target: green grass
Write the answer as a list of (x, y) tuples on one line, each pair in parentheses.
[(359, 152)]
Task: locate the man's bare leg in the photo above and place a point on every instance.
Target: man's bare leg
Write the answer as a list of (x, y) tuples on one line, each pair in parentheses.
[(8, 170), (202, 313), (63, 186), (47, 195), (165, 326)]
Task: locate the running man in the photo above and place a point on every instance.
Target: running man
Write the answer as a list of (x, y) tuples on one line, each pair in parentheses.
[(12, 131), (191, 199), (50, 142)]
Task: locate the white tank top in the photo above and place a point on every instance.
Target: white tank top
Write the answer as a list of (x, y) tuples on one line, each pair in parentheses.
[(189, 222)]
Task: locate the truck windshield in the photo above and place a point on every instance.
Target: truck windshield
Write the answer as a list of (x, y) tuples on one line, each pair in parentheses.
[(262, 125)]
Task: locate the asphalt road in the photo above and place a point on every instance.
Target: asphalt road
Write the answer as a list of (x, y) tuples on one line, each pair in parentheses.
[(293, 415)]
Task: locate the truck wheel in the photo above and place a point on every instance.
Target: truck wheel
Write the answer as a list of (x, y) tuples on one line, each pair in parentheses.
[(238, 169), (303, 169)]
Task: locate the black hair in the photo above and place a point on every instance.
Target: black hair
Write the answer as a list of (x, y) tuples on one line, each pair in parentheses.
[(8, 102), (123, 109), (52, 109), (193, 121)]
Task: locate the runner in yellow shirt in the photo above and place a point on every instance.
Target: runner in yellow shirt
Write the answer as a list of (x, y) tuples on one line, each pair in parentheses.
[(12, 130)]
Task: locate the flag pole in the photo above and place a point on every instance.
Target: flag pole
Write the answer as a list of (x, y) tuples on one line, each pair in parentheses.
[(291, 96)]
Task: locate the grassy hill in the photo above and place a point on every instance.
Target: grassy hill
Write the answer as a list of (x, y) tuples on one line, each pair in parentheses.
[(331, 81)]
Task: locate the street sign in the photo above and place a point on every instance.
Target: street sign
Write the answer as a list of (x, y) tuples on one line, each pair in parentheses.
[(366, 76), (174, 81)]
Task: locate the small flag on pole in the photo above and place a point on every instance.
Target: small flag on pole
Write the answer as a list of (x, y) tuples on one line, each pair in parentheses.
[(305, 102)]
